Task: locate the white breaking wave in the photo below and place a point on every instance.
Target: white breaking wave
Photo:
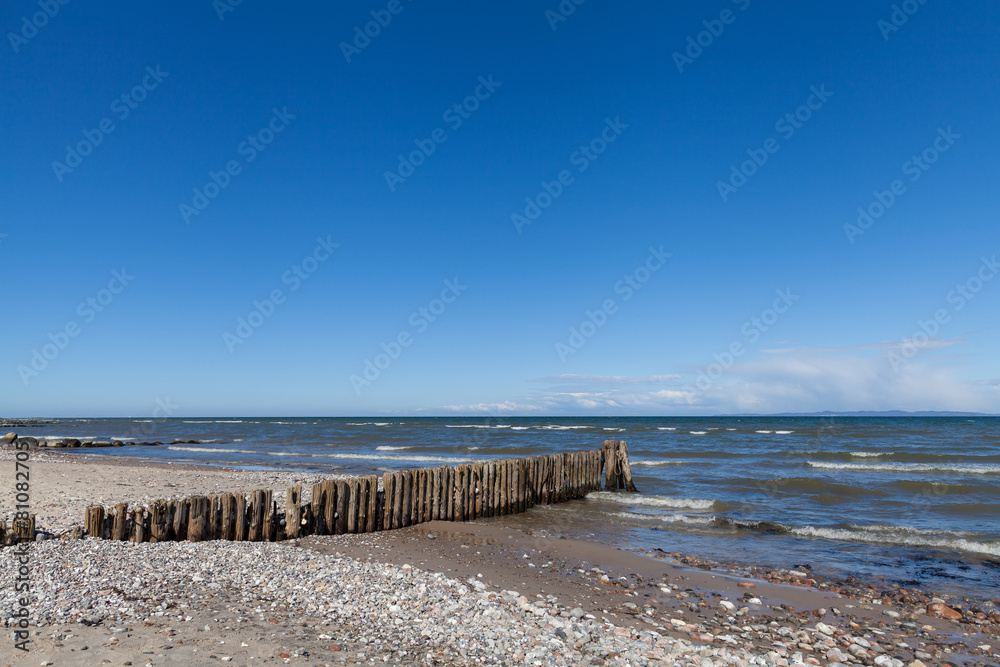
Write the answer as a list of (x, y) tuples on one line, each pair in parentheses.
[(652, 501), (784, 432), (765, 431), (666, 428), (614, 429), (659, 462), (697, 432), (519, 428), (390, 448), (359, 457), (901, 538), (870, 455), (910, 467), (666, 518), (477, 426), (212, 451), (557, 427)]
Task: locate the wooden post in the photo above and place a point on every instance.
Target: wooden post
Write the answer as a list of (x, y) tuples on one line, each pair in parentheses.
[(397, 500), (23, 529), (343, 497), (406, 497), (95, 521), (270, 533), (435, 494), (256, 511), (199, 518), (478, 476), (316, 510), (329, 507), (389, 497), (241, 527), (159, 521), (118, 527), (353, 491), (227, 513)]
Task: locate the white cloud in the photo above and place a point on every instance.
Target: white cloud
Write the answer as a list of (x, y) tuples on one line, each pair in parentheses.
[(777, 380)]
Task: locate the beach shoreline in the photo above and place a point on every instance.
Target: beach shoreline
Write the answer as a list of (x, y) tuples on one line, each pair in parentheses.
[(532, 563)]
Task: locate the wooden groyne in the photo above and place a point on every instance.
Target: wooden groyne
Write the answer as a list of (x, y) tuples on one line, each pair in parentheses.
[(363, 505)]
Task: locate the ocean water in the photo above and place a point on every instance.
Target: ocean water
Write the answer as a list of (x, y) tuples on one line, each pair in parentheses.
[(913, 500)]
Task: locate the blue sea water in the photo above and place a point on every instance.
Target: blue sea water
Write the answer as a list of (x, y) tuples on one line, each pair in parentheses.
[(914, 500)]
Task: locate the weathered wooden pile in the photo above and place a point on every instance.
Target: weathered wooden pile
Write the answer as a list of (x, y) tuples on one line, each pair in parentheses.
[(22, 529), (362, 505)]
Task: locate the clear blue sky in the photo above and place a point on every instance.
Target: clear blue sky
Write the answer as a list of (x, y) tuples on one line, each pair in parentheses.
[(113, 114)]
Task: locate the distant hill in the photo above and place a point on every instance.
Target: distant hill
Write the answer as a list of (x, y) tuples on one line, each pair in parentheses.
[(869, 413)]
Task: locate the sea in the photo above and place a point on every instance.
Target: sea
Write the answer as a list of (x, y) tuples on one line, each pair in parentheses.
[(908, 500)]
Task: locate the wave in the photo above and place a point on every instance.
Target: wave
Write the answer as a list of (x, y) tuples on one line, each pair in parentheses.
[(765, 431), (614, 429), (697, 432), (212, 450), (519, 428), (390, 448), (666, 428), (661, 462), (557, 427), (909, 467), (477, 426), (870, 455), (814, 485), (900, 536), (666, 518), (652, 501), (784, 432)]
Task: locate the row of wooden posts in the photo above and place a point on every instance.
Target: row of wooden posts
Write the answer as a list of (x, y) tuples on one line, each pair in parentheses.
[(358, 505)]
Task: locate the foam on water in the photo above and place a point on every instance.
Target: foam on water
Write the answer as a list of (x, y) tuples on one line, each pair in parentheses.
[(666, 518), (391, 448), (900, 538), (870, 455), (652, 501), (660, 462), (909, 467), (666, 428), (697, 432)]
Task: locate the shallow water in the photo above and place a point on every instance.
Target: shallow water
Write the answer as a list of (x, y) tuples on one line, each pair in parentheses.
[(912, 499)]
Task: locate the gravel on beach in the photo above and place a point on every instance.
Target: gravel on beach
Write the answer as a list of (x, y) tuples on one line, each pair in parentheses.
[(328, 608)]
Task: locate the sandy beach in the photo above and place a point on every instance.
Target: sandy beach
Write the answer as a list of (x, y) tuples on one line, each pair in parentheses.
[(437, 593)]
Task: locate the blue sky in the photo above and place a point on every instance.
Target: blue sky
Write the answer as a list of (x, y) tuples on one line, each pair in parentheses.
[(646, 209)]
